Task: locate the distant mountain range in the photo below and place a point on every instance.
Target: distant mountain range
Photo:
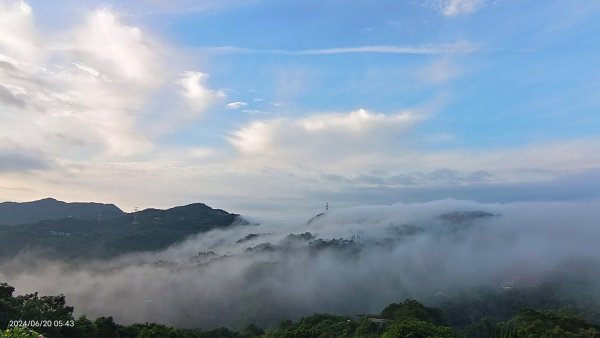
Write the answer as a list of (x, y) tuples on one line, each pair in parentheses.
[(94, 230), (13, 213)]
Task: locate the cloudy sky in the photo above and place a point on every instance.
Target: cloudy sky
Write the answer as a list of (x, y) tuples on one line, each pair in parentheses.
[(265, 105)]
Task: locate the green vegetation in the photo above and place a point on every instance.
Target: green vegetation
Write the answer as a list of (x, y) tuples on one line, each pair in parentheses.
[(407, 319), (19, 332), (530, 323)]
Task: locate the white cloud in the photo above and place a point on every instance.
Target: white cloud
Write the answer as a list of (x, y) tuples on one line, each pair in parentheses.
[(460, 7), (423, 49), (123, 52), (355, 121), (93, 83), (236, 105), (258, 137), (197, 95), (256, 112), (18, 35), (323, 136), (452, 48), (360, 142), (382, 170)]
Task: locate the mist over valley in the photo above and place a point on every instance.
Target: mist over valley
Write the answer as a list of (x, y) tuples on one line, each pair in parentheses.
[(347, 261)]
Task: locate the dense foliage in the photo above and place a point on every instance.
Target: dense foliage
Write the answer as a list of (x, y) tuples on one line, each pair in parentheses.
[(19, 332), (407, 319)]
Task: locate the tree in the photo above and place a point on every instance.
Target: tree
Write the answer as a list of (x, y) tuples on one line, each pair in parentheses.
[(531, 323), (157, 331), (34, 307), (8, 310), (106, 327), (317, 326), (411, 309), (219, 333), (84, 328), (252, 331), (45, 308), (368, 329), (417, 329), (6, 291), (483, 328)]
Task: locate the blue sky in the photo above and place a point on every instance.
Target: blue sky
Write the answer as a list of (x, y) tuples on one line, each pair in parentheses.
[(252, 105)]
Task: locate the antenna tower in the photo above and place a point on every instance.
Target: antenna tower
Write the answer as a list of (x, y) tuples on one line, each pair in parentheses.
[(135, 220)]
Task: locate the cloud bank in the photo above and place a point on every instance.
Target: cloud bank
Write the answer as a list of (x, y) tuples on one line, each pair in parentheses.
[(334, 135), (92, 83), (360, 260)]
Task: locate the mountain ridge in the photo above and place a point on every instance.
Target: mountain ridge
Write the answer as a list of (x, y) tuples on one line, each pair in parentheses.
[(146, 230), (15, 213)]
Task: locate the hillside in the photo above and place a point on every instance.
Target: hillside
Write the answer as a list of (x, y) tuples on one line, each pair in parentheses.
[(146, 230), (13, 213)]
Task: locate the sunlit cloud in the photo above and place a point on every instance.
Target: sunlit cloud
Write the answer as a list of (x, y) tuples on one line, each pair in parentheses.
[(197, 95), (92, 83), (331, 135)]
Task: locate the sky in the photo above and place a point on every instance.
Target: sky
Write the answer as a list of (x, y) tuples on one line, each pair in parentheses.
[(265, 106)]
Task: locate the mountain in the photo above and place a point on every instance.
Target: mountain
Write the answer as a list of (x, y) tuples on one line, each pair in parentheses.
[(13, 213), (146, 230)]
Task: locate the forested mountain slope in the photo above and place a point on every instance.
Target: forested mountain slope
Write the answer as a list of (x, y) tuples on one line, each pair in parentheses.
[(146, 230)]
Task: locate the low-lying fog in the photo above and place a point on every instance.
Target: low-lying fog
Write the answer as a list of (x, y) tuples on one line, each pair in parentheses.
[(386, 254)]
